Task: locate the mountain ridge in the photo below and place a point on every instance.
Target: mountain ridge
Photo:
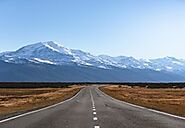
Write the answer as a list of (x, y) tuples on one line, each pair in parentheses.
[(52, 54), (50, 50)]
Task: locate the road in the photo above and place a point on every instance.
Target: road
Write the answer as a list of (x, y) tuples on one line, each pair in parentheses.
[(93, 109)]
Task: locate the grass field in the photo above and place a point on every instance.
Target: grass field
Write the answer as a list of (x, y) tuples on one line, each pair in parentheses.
[(24, 99), (171, 100)]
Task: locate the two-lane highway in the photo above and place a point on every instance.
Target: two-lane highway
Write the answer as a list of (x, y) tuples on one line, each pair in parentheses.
[(93, 109)]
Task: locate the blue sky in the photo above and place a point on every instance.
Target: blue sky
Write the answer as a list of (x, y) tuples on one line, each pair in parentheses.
[(138, 28)]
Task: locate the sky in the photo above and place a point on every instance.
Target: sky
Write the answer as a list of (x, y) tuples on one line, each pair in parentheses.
[(138, 28)]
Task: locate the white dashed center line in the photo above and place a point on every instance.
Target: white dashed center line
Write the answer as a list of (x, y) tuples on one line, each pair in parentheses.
[(92, 99), (94, 113), (96, 126), (95, 118), (94, 110)]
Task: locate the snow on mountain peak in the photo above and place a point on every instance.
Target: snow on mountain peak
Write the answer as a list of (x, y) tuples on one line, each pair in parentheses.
[(57, 47), (43, 61), (53, 53), (31, 49)]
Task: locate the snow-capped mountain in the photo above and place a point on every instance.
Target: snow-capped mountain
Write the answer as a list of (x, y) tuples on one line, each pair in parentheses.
[(46, 52), (49, 61), (53, 53)]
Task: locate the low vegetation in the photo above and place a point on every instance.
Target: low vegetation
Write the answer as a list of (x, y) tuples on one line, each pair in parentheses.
[(23, 99), (171, 100)]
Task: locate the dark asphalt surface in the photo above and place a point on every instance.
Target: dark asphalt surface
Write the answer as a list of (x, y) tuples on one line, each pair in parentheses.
[(92, 109)]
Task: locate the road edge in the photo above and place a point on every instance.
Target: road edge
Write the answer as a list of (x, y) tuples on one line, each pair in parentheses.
[(141, 107), (41, 109)]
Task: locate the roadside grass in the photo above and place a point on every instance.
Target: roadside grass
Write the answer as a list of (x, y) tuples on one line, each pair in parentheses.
[(171, 100), (25, 99)]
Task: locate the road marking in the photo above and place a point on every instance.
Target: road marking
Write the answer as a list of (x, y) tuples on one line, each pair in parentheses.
[(94, 110), (95, 118), (92, 99), (96, 126), (140, 107), (42, 109)]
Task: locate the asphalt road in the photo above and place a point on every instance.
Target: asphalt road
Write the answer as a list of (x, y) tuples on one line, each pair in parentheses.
[(93, 109)]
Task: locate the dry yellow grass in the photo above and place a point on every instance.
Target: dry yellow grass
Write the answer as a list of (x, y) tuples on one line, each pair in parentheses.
[(168, 100), (17, 100)]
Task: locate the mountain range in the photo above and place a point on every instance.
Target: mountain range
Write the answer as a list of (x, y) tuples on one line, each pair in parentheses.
[(49, 61)]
